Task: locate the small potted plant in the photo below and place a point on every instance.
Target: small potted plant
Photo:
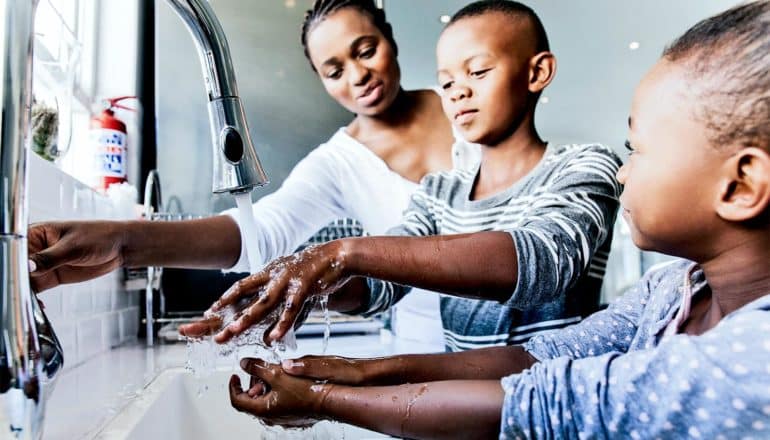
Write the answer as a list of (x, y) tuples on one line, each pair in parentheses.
[(45, 130)]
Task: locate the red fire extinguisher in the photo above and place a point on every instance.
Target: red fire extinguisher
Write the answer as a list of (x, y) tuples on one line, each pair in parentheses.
[(108, 142)]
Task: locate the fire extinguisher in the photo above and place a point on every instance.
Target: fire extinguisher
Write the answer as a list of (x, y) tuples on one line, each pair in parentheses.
[(108, 143)]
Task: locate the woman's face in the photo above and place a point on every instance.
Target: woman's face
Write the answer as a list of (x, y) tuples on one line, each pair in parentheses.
[(356, 63)]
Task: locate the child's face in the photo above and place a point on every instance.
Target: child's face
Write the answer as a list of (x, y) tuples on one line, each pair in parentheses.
[(671, 177), (355, 62), (484, 71)]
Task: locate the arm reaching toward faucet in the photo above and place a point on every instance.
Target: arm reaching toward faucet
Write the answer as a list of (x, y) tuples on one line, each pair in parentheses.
[(307, 200), (524, 260), (70, 252), (481, 265)]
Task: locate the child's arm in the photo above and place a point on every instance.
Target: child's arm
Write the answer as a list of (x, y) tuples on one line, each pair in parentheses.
[(486, 363), (610, 330), (481, 265), (465, 409), (531, 265)]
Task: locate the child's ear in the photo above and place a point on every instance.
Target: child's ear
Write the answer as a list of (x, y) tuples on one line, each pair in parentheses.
[(542, 68), (744, 190)]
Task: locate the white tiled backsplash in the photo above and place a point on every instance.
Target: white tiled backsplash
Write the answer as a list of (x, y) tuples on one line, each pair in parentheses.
[(89, 317)]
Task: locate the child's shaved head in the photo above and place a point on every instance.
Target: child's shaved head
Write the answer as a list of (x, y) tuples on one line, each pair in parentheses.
[(727, 60), (493, 58), (515, 10)]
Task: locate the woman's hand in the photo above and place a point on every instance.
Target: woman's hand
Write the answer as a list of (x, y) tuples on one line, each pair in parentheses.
[(276, 397), (71, 252), (287, 282)]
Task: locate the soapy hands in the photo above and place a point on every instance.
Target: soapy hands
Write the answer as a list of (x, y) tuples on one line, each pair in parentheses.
[(276, 397), (285, 284)]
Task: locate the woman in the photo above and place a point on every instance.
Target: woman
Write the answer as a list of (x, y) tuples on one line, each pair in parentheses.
[(366, 171)]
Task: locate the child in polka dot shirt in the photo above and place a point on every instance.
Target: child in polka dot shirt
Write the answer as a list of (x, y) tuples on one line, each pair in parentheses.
[(684, 354)]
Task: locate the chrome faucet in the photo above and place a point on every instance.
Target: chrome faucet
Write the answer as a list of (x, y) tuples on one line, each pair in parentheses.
[(30, 353), (236, 166)]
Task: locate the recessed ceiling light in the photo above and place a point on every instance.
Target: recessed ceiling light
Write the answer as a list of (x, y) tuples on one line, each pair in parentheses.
[(444, 19), (633, 45), (545, 100), (290, 3)]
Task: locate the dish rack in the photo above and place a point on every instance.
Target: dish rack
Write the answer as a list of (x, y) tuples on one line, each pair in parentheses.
[(148, 279)]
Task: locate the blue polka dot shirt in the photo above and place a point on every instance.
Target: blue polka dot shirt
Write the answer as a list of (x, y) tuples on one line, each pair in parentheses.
[(616, 375)]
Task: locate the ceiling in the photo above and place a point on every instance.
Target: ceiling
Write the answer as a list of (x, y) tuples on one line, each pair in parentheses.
[(289, 112)]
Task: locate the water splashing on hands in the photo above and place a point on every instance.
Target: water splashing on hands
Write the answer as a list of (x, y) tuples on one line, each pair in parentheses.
[(276, 397), (274, 297)]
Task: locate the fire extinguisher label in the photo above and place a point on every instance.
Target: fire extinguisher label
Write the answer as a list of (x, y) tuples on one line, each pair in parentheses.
[(110, 152)]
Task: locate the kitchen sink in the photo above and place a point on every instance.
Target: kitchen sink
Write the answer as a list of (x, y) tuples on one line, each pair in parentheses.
[(176, 405)]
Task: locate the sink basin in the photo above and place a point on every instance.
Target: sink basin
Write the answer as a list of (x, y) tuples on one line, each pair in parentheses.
[(178, 406)]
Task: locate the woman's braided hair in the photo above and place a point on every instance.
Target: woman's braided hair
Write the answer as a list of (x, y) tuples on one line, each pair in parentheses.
[(324, 8)]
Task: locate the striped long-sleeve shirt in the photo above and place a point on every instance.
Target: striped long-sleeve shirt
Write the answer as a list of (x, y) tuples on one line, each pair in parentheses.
[(560, 216)]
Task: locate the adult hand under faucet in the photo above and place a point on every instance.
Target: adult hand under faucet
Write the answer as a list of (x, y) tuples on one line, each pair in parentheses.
[(338, 269)]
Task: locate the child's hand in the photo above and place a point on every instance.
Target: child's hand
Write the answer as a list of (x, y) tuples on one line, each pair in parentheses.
[(334, 369), (286, 282), (276, 397)]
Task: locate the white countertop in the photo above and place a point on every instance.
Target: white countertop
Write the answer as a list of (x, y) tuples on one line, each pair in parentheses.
[(88, 396)]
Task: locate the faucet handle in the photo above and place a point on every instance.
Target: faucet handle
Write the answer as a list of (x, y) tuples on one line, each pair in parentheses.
[(236, 166), (231, 144), (51, 352)]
